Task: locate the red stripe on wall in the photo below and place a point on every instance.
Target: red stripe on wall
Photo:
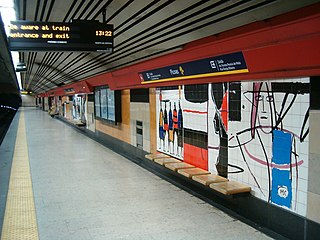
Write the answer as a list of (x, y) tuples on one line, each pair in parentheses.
[(194, 111)]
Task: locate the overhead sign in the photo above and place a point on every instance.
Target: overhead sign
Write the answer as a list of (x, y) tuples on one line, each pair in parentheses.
[(57, 36), (221, 65)]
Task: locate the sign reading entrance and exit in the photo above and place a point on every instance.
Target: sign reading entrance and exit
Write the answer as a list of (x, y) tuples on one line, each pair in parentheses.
[(220, 65), (55, 36)]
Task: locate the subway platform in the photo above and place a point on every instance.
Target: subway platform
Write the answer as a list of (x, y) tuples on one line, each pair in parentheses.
[(64, 185)]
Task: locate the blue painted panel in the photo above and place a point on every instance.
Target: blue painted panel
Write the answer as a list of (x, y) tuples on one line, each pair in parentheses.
[(281, 193), (281, 190), (281, 148)]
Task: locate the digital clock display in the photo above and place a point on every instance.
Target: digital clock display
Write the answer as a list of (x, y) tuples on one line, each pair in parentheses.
[(54, 36), (100, 33)]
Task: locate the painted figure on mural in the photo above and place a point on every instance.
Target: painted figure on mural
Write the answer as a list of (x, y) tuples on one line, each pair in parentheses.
[(161, 129), (180, 132), (179, 125), (273, 136), (175, 127), (171, 133), (165, 127)]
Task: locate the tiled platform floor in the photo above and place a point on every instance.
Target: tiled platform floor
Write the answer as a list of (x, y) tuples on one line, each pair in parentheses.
[(83, 191)]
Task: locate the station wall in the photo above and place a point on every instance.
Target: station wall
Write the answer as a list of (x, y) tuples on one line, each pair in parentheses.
[(28, 101), (252, 132)]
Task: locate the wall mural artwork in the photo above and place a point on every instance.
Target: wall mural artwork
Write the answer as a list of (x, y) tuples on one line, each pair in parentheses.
[(267, 135), (170, 122), (195, 128), (252, 132), (224, 107), (185, 136), (218, 112)]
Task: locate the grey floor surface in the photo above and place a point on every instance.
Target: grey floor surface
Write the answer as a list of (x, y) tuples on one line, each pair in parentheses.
[(83, 190)]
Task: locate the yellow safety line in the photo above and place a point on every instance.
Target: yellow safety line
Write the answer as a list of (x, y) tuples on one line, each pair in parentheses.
[(20, 215)]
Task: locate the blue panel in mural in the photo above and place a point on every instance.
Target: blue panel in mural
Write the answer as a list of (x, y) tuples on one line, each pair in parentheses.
[(281, 192), (281, 149)]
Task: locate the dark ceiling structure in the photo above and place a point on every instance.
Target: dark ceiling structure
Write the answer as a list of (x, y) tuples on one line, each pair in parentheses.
[(143, 29)]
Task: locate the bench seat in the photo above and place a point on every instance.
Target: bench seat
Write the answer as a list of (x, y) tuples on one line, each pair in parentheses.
[(190, 172), (177, 166), (230, 187), (163, 161), (209, 178), (79, 123), (215, 182), (154, 156)]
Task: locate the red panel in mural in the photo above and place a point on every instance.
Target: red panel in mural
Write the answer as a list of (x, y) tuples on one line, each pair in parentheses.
[(196, 156)]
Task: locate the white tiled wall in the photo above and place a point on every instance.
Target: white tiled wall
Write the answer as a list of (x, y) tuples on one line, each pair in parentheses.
[(140, 112), (251, 157), (169, 98), (256, 173)]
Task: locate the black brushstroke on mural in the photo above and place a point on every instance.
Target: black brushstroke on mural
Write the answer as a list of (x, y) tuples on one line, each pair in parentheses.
[(196, 138), (217, 92), (234, 101)]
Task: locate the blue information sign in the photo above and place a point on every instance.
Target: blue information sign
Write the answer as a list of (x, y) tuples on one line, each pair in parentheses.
[(220, 65)]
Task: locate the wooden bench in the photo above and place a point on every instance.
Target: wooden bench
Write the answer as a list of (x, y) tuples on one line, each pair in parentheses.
[(209, 178), (213, 181), (163, 161), (79, 123), (230, 187), (154, 156), (176, 166), (190, 172)]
